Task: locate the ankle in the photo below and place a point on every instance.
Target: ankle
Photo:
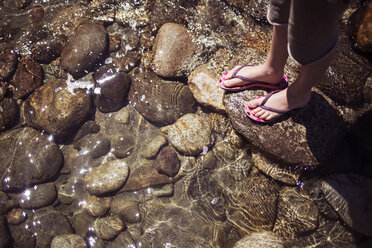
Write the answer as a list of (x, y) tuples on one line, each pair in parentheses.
[(273, 71)]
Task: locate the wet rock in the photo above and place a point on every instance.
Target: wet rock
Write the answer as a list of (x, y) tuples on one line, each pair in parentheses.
[(160, 101), (206, 191), (22, 236), (96, 145), (5, 240), (311, 138), (3, 90), (3, 203), (16, 216), (367, 90), (122, 116), (87, 128), (329, 233), (113, 85), (56, 110), (204, 86), (21, 4), (46, 51), (8, 62), (9, 113), (82, 223), (68, 19), (360, 28), (68, 241), (108, 227), (114, 43), (257, 9), (123, 144), (172, 49), (39, 196), (260, 240), (127, 60), (164, 191), (189, 134), (84, 49), (34, 159), (106, 178), (27, 78), (124, 239), (48, 224), (97, 206), (167, 162), (350, 195), (297, 214), (152, 149), (144, 176), (252, 208), (345, 78), (36, 14), (209, 161), (275, 170), (127, 209)]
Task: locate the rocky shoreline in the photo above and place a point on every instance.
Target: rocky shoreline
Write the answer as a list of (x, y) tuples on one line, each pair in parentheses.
[(115, 133)]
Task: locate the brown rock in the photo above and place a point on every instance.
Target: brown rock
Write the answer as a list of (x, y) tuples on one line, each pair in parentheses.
[(28, 77), (68, 241), (46, 51), (9, 113), (56, 110), (108, 227), (84, 49), (34, 159), (173, 48), (360, 27), (203, 83), (8, 62), (113, 85), (167, 162), (298, 137), (38, 196), (16, 216), (158, 100), (36, 14)]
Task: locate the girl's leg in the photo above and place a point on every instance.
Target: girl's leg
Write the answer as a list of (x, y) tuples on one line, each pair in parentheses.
[(273, 69)]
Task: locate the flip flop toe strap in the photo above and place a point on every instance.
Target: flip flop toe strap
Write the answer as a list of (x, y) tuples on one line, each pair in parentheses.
[(262, 105)]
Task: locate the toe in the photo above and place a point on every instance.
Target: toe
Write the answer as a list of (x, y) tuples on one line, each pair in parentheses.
[(254, 103), (265, 115), (258, 112)]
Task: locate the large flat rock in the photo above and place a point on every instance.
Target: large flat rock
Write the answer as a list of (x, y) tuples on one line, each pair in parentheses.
[(303, 137)]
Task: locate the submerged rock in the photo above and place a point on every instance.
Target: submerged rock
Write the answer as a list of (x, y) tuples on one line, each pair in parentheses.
[(204, 86), (298, 137), (123, 144), (108, 227), (152, 148), (106, 178), (56, 110), (351, 195), (38, 196), (96, 145), (127, 209), (158, 100), (275, 170), (360, 27), (253, 207), (297, 214), (9, 113), (46, 51), (124, 239), (189, 134), (16, 216), (5, 239), (113, 85), (68, 241), (34, 159), (172, 49), (264, 239), (48, 224), (97, 206), (167, 162), (84, 49), (8, 62), (27, 78)]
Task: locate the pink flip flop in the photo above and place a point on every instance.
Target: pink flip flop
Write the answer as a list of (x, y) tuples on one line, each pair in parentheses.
[(249, 113), (250, 83)]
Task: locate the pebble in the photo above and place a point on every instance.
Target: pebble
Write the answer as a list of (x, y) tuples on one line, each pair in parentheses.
[(108, 227), (16, 216), (167, 162), (68, 241), (123, 145), (97, 206), (38, 196), (107, 177), (153, 148), (127, 209)]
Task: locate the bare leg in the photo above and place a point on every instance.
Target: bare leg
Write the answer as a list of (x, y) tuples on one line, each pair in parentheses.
[(273, 69), (297, 94)]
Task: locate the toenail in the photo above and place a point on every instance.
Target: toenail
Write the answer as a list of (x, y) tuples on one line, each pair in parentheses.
[(225, 73)]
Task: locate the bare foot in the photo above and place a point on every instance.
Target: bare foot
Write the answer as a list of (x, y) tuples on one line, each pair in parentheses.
[(259, 72), (282, 101)]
